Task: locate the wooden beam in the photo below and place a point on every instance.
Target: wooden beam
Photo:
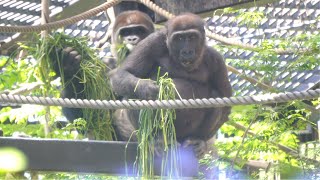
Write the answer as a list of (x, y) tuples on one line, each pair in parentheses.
[(110, 157)]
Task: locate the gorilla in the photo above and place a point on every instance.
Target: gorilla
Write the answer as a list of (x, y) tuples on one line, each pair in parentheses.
[(130, 28), (198, 71)]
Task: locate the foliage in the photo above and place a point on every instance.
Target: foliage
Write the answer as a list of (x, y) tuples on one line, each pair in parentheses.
[(310, 59), (92, 74), (270, 125), (12, 160), (250, 19), (15, 73), (274, 124), (122, 53), (155, 126)]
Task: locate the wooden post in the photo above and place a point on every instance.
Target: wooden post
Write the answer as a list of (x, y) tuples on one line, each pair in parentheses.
[(45, 18), (319, 130)]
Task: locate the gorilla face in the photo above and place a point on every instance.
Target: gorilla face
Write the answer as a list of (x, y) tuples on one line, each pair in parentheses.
[(186, 40), (129, 29), (186, 48), (132, 35)]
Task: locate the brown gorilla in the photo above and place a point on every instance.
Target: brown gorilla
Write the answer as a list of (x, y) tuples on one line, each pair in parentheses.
[(130, 27), (197, 70)]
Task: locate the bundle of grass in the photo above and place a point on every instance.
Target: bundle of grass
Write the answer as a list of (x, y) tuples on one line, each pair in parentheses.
[(92, 74), (122, 53), (159, 125)]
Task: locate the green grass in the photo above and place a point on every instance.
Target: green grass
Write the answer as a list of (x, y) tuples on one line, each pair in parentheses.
[(155, 124), (92, 74)]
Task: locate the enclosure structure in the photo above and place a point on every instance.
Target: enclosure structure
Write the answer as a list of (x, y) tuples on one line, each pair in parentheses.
[(281, 21), (223, 24)]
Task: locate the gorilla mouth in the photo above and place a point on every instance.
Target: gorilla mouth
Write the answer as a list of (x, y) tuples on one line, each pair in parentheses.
[(187, 63), (130, 46)]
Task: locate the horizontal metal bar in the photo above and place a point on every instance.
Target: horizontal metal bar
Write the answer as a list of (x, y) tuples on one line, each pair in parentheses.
[(110, 157)]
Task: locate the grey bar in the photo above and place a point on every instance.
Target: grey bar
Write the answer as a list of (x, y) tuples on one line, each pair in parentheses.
[(110, 157)]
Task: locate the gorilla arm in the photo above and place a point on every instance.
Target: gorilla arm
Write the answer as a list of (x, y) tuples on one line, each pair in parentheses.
[(221, 88), (219, 75), (138, 65)]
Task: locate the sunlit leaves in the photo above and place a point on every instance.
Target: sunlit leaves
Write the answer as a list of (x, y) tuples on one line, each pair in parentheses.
[(250, 18), (12, 160)]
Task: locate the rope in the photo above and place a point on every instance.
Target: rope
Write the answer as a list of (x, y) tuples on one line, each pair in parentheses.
[(157, 9), (218, 37), (61, 23), (152, 6), (165, 104)]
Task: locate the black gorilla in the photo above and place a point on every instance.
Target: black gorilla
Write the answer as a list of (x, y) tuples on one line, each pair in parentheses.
[(197, 70)]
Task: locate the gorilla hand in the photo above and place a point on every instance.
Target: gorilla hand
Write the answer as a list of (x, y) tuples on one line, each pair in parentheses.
[(110, 62), (71, 59), (159, 147), (199, 146), (68, 63), (147, 89)]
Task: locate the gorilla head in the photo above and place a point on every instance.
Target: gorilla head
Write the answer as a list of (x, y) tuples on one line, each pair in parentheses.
[(131, 27), (186, 40)]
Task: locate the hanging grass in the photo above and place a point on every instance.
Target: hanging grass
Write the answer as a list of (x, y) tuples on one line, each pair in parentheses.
[(159, 124), (42, 72), (92, 74), (122, 53)]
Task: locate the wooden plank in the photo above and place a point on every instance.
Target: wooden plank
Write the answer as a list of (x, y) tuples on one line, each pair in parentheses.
[(110, 157)]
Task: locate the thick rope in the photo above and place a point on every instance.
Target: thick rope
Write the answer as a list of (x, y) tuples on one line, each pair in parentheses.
[(218, 37), (165, 104), (61, 23), (148, 3)]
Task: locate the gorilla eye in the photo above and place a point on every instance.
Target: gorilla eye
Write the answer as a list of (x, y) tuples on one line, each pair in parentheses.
[(125, 33), (139, 31), (192, 36), (179, 38)]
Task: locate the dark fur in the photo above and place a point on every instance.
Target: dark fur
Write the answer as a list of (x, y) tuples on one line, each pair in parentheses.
[(198, 71), (71, 59)]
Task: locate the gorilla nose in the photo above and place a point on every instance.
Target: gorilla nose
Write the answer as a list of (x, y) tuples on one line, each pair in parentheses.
[(133, 40), (187, 53)]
